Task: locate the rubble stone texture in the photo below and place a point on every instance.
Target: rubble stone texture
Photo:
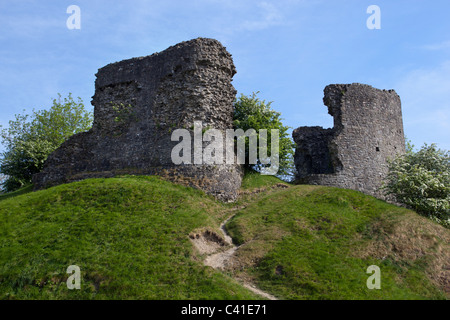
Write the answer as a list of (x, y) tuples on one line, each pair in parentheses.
[(368, 130), (137, 105), (139, 102)]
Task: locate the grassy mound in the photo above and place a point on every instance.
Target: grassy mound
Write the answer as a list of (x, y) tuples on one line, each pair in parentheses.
[(23, 190), (130, 238), (312, 242)]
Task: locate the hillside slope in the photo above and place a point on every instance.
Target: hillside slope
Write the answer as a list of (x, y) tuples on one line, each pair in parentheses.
[(129, 236), (132, 239), (313, 242)]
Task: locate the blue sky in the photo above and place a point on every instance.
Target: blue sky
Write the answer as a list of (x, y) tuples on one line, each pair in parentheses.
[(289, 50)]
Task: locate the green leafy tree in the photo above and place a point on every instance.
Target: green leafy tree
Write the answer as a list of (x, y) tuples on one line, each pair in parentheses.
[(252, 113), (29, 139), (421, 181)]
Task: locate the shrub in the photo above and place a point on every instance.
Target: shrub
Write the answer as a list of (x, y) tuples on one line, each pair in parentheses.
[(421, 181), (31, 138), (252, 113)]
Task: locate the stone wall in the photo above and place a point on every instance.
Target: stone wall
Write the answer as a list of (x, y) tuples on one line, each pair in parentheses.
[(137, 104), (368, 130)]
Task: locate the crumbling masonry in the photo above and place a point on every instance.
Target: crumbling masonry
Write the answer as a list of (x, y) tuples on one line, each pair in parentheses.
[(140, 101), (368, 130), (137, 104)]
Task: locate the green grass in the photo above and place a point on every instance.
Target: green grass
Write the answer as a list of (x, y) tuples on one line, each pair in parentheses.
[(22, 190), (129, 236), (310, 243), (254, 180)]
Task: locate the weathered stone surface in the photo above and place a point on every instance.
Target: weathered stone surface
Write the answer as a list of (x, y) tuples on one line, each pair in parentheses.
[(138, 103), (368, 130)]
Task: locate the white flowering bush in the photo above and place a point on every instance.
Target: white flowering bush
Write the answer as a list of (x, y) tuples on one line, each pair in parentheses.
[(421, 181)]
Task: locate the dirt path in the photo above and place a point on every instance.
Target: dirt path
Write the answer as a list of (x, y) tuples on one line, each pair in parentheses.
[(221, 253)]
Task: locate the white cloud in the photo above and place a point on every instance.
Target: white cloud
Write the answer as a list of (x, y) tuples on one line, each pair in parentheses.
[(235, 17), (269, 15), (31, 24), (425, 95), (437, 46)]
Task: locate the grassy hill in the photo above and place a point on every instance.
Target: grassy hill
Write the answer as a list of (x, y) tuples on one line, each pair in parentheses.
[(130, 237)]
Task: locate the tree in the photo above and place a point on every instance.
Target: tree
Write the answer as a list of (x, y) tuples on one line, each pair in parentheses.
[(252, 113), (421, 181), (31, 138)]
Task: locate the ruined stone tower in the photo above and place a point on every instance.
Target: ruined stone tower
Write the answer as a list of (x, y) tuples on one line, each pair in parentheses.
[(368, 130), (138, 103)]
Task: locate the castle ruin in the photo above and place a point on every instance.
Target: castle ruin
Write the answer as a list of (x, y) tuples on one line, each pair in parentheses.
[(140, 101), (137, 104), (367, 131)]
